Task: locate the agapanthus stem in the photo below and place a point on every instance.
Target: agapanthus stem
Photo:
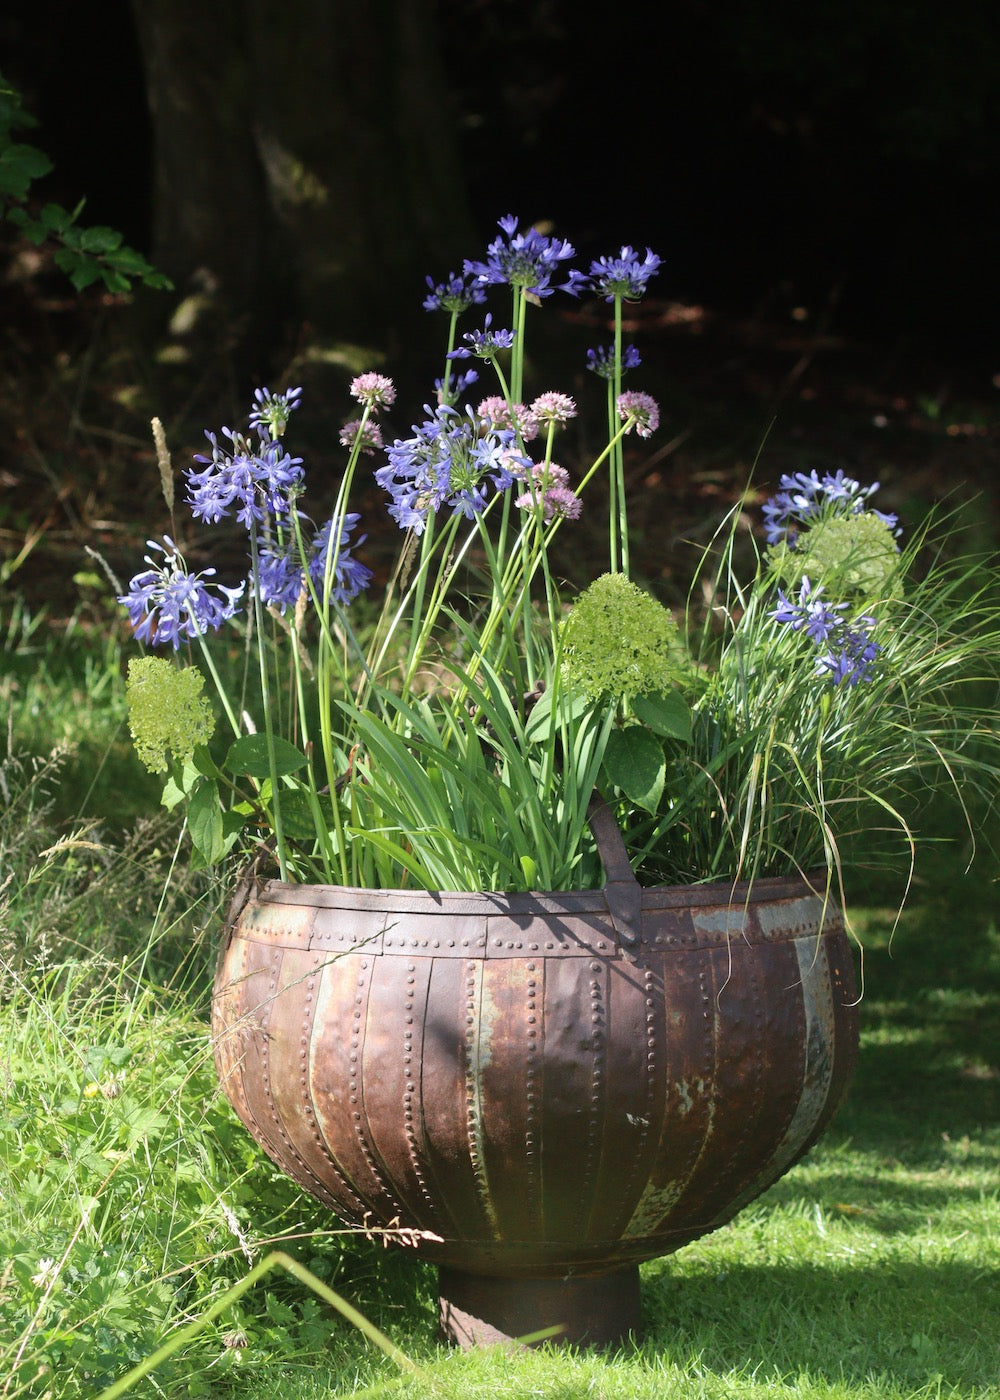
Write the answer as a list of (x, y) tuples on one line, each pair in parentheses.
[(265, 696), (619, 502)]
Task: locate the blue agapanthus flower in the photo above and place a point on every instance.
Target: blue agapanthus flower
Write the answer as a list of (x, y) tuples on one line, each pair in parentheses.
[(852, 657), (803, 496), (282, 579), (851, 651), (812, 614), (451, 461), (602, 360), (455, 294), (252, 477), (166, 603), (272, 412), (626, 275), (527, 260), (484, 343)]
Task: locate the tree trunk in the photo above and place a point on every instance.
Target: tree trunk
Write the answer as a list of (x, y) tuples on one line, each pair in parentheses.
[(306, 170)]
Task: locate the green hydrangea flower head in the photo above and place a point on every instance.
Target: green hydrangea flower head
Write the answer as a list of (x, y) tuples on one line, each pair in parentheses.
[(618, 641), (167, 711), (850, 554)]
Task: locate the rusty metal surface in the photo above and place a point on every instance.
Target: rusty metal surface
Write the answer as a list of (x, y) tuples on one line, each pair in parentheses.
[(547, 1085), (603, 1311)]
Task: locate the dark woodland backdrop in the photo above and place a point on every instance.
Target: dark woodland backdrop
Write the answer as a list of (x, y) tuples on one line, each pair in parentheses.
[(309, 152)]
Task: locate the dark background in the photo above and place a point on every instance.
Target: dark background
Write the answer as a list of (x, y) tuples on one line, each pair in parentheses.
[(772, 153), (820, 182)]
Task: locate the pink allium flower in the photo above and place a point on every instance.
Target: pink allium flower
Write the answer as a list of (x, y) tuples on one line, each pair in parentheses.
[(500, 414), (639, 411), (553, 407), (552, 492), (375, 390), (371, 435)]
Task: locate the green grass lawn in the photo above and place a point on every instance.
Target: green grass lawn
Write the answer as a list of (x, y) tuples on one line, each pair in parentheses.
[(131, 1200)]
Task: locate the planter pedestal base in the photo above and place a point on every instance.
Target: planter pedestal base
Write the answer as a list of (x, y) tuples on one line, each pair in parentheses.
[(597, 1312)]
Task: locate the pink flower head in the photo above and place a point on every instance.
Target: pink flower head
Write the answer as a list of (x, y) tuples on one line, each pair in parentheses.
[(639, 411), (371, 435), (551, 492), (496, 411), (375, 390), (553, 407)]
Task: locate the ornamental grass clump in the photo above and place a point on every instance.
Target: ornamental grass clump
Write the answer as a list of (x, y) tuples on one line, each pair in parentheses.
[(452, 732)]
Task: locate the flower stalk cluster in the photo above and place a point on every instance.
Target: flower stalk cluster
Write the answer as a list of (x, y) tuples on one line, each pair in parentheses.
[(451, 732)]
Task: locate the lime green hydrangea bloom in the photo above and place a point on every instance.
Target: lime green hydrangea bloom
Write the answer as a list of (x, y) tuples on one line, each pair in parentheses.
[(619, 641), (850, 554), (167, 711)]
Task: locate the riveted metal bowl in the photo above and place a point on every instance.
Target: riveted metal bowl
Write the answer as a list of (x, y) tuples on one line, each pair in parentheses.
[(548, 1088)]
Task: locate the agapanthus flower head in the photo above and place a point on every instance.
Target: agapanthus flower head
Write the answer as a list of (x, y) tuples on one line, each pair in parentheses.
[(852, 658), (370, 435), (451, 394), (811, 614), (254, 478), (639, 411), (282, 579), (485, 343), (526, 260), (553, 407), (803, 496), (450, 461), (373, 390), (499, 413), (455, 294), (626, 275), (168, 712), (602, 360), (350, 577), (272, 411), (618, 641), (167, 604), (549, 491), (850, 651)]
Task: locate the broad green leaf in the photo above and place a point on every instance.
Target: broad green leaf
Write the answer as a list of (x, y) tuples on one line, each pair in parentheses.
[(297, 820), (205, 822), (19, 166), (634, 762), (249, 754), (100, 239), (666, 714), (55, 218), (178, 786), (202, 762)]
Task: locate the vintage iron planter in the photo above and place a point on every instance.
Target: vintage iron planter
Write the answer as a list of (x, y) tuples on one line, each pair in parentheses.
[(551, 1087)]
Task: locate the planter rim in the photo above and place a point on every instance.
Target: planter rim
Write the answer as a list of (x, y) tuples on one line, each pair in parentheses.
[(495, 924), (715, 892)]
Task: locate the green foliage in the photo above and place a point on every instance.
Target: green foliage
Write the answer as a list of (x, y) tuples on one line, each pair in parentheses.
[(136, 1214), (619, 641), (852, 556), (168, 711), (785, 771), (131, 1196), (85, 255)]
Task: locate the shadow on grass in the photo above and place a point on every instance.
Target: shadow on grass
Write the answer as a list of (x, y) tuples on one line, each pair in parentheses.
[(905, 1321)]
